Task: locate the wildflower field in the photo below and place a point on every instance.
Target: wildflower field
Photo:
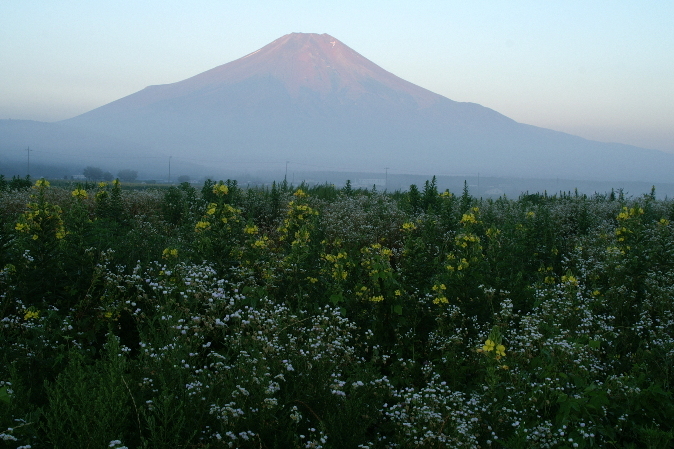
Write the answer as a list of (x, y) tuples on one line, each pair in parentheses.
[(309, 317)]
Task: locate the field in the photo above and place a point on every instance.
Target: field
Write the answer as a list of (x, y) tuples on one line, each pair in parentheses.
[(309, 317)]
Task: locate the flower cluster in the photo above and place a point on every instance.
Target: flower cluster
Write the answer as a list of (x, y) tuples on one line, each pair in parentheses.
[(169, 253), (491, 346), (42, 219)]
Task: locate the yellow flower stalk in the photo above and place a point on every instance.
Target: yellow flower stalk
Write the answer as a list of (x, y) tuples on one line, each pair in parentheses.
[(202, 225), (31, 314), (41, 183), (441, 300), (79, 193), (169, 253), (220, 189)]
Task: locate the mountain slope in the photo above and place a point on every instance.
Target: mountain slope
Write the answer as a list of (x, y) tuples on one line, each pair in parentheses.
[(311, 99)]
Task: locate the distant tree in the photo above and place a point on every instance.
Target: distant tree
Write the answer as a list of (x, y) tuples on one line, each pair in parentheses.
[(414, 199), (107, 176), (183, 178), (127, 175), (93, 173), (347, 189), (465, 198), (18, 183), (429, 198)]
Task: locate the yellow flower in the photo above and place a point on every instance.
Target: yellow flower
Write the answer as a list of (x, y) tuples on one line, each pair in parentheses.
[(570, 280), (409, 226), (300, 193), (211, 209), (379, 298), (488, 345), (261, 243), (41, 183), (220, 189), (102, 184), (468, 219), (441, 300), (31, 314), (252, 229), (80, 193), (23, 227), (169, 253), (202, 225), (500, 351)]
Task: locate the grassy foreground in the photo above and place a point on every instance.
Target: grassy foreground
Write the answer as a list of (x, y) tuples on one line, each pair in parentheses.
[(317, 317)]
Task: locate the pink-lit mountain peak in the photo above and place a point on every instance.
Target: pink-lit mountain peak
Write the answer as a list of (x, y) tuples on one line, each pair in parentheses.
[(317, 62)]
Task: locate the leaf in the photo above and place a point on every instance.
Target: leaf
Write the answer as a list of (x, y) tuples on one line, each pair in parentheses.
[(398, 309), (4, 395), (336, 299)]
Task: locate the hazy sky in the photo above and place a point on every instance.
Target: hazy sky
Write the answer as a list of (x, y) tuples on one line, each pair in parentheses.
[(602, 69)]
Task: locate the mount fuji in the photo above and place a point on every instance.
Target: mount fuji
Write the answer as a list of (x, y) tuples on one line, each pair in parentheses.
[(311, 99)]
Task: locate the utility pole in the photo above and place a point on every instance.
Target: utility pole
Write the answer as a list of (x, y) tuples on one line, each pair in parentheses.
[(386, 180), (28, 151), (170, 169), (285, 178)]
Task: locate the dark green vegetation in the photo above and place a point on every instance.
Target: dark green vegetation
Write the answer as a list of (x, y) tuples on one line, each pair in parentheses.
[(317, 317)]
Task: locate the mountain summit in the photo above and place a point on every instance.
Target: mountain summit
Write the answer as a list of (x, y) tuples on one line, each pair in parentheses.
[(305, 65), (311, 99), (315, 62)]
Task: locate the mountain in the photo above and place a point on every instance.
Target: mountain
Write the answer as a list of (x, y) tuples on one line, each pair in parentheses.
[(311, 99)]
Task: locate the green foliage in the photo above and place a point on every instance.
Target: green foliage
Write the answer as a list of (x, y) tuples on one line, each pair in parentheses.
[(90, 404), (16, 183), (324, 317)]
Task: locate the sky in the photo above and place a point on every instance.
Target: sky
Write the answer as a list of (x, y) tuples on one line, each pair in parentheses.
[(602, 70)]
